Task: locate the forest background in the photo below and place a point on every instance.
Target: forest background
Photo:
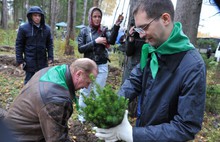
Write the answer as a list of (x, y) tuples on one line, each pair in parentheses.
[(74, 13)]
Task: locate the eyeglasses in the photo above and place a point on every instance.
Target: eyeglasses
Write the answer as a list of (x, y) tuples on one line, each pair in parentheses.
[(142, 30)]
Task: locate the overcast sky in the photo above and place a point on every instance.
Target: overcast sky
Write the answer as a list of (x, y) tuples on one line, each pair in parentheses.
[(209, 24)]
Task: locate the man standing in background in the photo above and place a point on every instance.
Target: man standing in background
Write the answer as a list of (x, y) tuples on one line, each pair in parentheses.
[(34, 43)]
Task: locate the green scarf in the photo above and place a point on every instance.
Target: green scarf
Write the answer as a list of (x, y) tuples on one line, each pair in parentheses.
[(177, 42), (56, 75)]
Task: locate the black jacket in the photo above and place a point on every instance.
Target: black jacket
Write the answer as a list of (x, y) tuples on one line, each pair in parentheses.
[(34, 45), (92, 50), (133, 53)]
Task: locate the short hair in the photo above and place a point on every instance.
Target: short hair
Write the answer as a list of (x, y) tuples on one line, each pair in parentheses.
[(155, 8), (84, 64)]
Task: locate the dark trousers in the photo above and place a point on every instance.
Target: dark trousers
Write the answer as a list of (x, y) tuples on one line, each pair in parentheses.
[(28, 76)]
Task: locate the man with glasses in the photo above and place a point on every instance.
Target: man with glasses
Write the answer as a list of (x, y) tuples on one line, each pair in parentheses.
[(170, 79)]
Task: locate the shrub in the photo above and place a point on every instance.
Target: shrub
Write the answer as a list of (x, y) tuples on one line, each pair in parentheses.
[(106, 109)]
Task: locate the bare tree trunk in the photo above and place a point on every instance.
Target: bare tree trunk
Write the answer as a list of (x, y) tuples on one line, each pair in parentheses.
[(15, 14), (84, 12), (74, 19), (49, 14), (25, 7), (95, 3), (69, 34), (188, 13), (54, 13), (4, 15)]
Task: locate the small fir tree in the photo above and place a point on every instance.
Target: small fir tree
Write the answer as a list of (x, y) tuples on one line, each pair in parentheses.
[(104, 107)]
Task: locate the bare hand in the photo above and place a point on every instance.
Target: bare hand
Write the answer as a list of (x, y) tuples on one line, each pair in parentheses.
[(120, 19), (101, 40), (21, 66), (50, 63), (131, 31)]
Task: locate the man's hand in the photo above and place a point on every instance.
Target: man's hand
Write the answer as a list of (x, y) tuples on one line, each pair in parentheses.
[(50, 63), (22, 66), (119, 20), (121, 132)]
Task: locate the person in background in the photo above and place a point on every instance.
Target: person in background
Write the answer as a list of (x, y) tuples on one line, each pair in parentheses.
[(170, 79), (34, 43), (42, 110), (93, 42), (209, 51), (133, 46), (121, 50)]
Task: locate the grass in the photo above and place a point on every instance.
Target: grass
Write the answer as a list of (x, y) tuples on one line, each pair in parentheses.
[(10, 87)]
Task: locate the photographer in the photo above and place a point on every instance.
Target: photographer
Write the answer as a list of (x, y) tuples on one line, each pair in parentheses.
[(93, 42), (133, 50), (133, 47)]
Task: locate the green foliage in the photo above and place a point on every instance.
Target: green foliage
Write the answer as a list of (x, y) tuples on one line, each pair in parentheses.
[(115, 58), (105, 110), (211, 64), (9, 88), (59, 46), (7, 37), (213, 85), (213, 98), (205, 42)]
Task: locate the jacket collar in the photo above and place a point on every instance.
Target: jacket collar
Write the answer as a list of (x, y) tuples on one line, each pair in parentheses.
[(172, 61), (70, 83)]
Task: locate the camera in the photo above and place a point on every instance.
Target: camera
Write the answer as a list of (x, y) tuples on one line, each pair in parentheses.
[(132, 22)]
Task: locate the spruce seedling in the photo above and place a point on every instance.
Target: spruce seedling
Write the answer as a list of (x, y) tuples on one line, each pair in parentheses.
[(104, 108)]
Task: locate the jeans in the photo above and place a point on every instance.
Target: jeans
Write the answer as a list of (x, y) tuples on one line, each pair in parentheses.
[(100, 80), (28, 76)]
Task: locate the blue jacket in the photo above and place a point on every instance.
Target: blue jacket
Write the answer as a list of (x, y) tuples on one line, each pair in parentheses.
[(34, 45), (172, 104)]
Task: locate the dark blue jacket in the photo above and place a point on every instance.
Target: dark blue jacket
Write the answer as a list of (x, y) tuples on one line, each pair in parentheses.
[(34, 45), (172, 104)]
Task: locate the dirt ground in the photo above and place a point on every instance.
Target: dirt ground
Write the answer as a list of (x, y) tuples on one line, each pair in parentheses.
[(78, 132)]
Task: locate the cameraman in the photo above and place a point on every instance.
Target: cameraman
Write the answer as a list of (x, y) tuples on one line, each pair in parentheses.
[(93, 42)]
